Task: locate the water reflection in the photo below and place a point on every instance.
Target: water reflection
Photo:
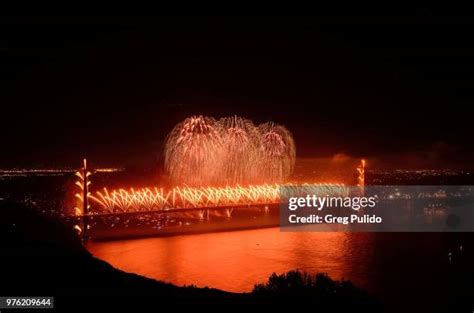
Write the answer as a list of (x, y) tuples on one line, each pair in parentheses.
[(235, 261)]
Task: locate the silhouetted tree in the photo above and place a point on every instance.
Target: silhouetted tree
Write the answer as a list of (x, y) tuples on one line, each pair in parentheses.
[(297, 287)]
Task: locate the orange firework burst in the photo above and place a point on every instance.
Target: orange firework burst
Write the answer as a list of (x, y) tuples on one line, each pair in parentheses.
[(192, 151), (240, 155), (277, 152), (151, 199), (201, 151)]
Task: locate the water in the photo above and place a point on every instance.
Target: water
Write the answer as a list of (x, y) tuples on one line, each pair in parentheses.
[(232, 261), (382, 263)]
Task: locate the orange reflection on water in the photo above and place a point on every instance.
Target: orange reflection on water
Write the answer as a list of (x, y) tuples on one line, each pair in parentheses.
[(236, 261)]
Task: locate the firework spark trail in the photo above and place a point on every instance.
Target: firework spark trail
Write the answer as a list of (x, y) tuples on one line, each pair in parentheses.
[(201, 151), (193, 149), (278, 152), (149, 199), (240, 157)]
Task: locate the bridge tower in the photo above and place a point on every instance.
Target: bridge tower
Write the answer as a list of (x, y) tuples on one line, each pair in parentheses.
[(83, 182), (361, 173)]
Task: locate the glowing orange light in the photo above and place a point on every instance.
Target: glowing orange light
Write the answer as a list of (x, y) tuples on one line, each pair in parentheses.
[(361, 171), (148, 199)]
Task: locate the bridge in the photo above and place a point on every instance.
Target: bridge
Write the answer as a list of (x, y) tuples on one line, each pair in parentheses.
[(184, 203)]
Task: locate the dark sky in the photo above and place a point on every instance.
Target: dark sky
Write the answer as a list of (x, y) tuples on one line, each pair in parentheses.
[(112, 88)]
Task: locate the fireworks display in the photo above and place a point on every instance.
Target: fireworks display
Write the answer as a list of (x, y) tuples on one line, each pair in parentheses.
[(224, 163), (203, 151), (151, 199), (277, 157)]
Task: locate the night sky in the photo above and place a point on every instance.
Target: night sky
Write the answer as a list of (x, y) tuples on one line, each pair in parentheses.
[(110, 89)]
